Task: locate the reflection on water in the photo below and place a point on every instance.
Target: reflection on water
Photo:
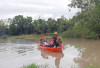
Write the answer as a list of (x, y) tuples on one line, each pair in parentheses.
[(76, 53), (57, 55)]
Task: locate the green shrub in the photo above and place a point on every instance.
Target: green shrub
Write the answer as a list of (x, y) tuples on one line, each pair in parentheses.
[(80, 32), (76, 32), (71, 33), (31, 66)]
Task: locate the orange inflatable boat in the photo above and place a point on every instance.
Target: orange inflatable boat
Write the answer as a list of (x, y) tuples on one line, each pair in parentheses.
[(55, 49)]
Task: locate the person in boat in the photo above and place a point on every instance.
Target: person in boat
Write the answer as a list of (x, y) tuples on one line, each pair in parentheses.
[(43, 41), (51, 43), (55, 41)]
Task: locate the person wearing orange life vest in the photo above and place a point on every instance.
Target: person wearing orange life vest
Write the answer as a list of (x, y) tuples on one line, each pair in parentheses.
[(57, 41), (43, 40), (51, 43)]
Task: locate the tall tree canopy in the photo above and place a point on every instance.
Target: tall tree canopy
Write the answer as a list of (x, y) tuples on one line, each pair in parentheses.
[(87, 22)]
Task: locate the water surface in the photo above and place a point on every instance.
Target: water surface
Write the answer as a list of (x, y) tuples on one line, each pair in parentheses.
[(76, 53)]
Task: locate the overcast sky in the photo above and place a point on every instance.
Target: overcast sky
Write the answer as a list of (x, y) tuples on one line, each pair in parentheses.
[(36, 8)]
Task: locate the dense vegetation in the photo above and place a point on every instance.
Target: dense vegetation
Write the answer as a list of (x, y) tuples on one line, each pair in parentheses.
[(25, 25), (86, 24)]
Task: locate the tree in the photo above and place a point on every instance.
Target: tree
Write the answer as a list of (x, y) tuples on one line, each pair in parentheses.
[(87, 21), (3, 28), (85, 5), (21, 25)]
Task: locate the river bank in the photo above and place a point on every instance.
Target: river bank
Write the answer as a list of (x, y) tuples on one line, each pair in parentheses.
[(38, 36), (33, 37)]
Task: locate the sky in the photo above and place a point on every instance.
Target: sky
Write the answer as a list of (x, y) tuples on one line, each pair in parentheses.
[(36, 8)]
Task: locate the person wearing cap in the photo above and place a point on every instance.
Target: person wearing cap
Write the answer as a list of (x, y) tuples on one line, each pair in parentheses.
[(57, 41)]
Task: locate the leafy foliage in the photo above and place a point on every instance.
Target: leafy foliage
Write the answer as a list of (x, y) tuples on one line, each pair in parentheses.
[(87, 22), (31, 66), (21, 25), (3, 28)]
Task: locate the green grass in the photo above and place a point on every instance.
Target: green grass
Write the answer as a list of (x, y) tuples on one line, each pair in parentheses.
[(35, 66), (31, 66), (31, 36)]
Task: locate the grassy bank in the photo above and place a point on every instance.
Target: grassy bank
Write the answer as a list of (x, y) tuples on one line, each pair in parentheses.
[(31, 66), (35, 66), (31, 36)]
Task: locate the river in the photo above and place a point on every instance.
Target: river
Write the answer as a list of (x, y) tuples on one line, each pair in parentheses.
[(77, 53)]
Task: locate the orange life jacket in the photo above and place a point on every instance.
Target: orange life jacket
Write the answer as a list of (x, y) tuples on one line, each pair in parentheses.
[(51, 42), (57, 39), (43, 39)]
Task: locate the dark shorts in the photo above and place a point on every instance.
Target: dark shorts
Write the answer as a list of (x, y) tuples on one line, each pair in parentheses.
[(57, 44)]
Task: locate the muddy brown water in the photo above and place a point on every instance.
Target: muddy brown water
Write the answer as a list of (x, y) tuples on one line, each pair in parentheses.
[(77, 53)]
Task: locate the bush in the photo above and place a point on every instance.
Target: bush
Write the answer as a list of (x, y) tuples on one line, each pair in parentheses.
[(92, 35), (71, 33), (76, 32), (31, 66)]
